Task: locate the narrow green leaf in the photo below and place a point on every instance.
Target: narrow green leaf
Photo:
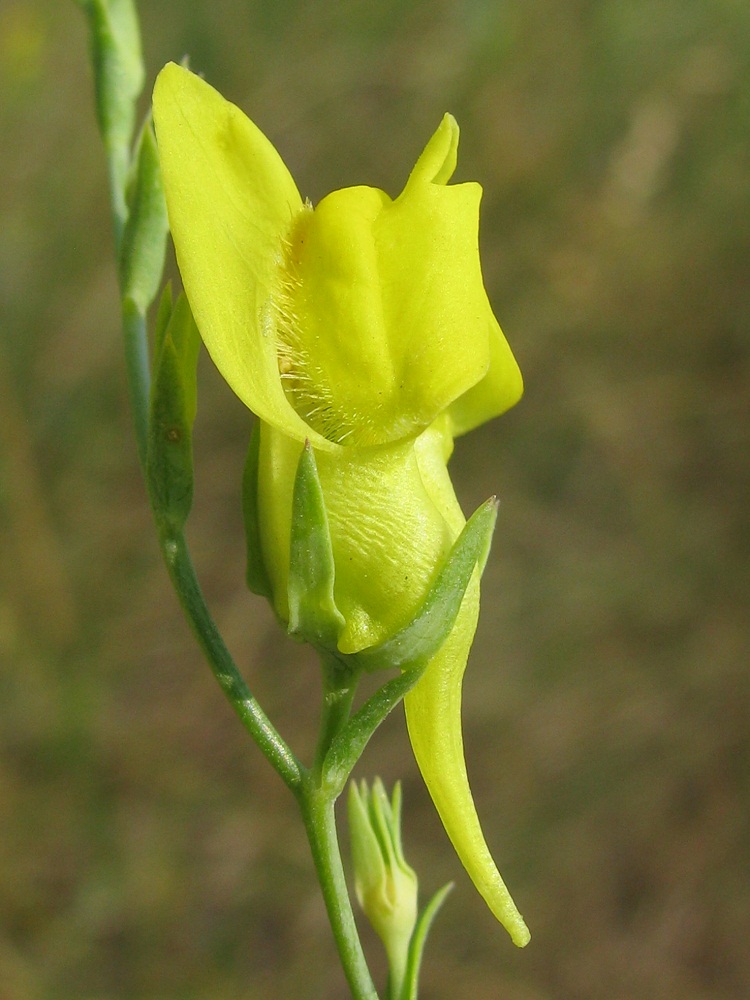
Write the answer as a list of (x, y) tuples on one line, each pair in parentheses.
[(256, 575), (115, 45), (313, 614), (169, 465), (144, 239), (161, 322), (418, 941), (118, 66), (184, 335), (418, 641)]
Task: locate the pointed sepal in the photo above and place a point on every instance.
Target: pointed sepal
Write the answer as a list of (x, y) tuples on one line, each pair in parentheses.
[(418, 641), (313, 615), (411, 649)]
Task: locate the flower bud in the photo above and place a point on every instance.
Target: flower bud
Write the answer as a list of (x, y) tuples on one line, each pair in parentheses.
[(386, 886)]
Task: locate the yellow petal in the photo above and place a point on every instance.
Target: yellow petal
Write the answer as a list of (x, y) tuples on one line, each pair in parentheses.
[(438, 159), (436, 305), (500, 388), (336, 347), (388, 320), (231, 203)]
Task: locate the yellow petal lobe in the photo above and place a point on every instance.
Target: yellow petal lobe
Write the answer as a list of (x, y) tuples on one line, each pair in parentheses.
[(231, 203)]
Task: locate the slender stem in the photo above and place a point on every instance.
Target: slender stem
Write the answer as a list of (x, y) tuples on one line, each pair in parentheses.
[(317, 798), (224, 669), (348, 744), (317, 805), (398, 961), (339, 688)]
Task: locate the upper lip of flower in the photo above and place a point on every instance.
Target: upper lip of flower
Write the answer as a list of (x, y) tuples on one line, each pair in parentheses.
[(352, 324)]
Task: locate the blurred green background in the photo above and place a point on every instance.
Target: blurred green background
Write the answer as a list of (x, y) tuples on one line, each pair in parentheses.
[(146, 849)]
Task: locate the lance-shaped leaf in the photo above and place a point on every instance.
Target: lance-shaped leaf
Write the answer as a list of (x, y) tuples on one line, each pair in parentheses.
[(419, 940), (144, 238), (169, 465), (118, 64), (313, 614), (118, 76)]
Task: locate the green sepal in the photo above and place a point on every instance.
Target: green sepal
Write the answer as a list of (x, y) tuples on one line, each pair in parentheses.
[(313, 615), (144, 239), (418, 941), (169, 461), (161, 321), (418, 641), (412, 648), (118, 67), (256, 574)]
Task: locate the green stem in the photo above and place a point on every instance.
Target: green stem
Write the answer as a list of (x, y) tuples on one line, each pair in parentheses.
[(339, 687), (317, 805), (398, 961), (138, 370), (252, 716)]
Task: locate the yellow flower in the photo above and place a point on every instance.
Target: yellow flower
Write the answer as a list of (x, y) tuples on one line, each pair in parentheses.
[(363, 327)]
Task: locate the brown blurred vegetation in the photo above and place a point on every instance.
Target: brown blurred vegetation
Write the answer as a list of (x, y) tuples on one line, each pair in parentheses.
[(146, 849)]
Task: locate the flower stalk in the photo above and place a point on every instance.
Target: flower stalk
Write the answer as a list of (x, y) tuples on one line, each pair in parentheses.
[(317, 806)]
